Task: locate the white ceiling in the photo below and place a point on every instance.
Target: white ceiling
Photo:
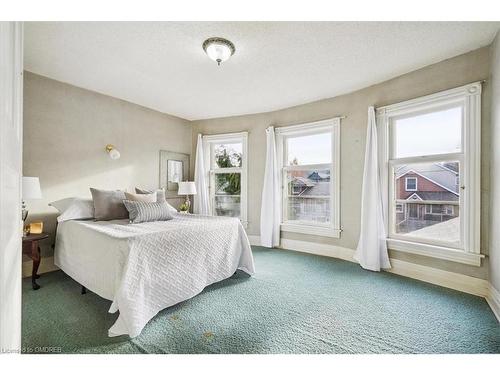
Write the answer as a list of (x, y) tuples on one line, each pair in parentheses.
[(161, 65)]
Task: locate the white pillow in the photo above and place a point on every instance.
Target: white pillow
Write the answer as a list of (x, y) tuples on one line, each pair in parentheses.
[(74, 209), (160, 193)]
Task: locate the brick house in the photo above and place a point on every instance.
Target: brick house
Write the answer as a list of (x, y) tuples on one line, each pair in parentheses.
[(426, 194)]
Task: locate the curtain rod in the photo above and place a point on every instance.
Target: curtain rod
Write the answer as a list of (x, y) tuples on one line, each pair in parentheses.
[(308, 122)]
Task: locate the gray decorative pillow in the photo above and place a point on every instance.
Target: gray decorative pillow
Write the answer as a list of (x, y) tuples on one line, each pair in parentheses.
[(108, 204), (160, 194), (142, 212)]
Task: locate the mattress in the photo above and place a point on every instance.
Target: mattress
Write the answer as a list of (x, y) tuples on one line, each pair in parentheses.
[(144, 268), (91, 257)]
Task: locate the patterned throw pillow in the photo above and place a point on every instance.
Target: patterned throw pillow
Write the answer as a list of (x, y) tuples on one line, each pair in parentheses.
[(142, 212)]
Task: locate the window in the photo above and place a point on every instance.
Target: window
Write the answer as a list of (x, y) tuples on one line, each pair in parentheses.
[(308, 157), (226, 160), (431, 159), (411, 184)]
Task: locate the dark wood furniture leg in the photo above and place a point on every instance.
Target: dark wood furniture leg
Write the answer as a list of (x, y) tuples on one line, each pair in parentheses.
[(35, 255)]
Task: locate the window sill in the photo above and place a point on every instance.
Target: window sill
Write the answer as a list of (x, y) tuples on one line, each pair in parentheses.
[(433, 251), (312, 230)]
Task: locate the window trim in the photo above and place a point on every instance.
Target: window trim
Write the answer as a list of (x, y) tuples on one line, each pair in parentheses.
[(406, 183), (333, 229), (469, 97), (228, 138)]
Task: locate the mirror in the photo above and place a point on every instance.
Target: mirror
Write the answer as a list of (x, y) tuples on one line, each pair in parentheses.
[(174, 173), (174, 168)]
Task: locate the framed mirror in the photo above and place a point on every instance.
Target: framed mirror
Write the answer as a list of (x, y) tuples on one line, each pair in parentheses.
[(174, 168), (174, 173)]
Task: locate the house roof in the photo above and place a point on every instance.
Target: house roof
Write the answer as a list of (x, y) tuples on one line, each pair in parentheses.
[(321, 175), (434, 196), (442, 174), (320, 188), (302, 181)]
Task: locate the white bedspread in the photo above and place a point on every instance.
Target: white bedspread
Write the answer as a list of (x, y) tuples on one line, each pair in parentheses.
[(169, 262)]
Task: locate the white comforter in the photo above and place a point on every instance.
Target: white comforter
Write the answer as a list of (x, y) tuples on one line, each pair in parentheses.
[(170, 262)]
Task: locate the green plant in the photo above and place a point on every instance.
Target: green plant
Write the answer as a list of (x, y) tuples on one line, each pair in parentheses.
[(230, 183), (183, 207)]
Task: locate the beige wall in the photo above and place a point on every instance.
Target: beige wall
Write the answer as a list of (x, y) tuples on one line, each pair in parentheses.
[(495, 166), (447, 74), (65, 131)]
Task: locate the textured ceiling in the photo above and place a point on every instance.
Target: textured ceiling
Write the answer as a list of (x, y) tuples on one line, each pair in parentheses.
[(161, 65)]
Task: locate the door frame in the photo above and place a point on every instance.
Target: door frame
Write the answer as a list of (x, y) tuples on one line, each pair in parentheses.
[(11, 137)]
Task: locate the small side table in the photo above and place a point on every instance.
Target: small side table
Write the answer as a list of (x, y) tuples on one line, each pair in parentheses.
[(32, 249)]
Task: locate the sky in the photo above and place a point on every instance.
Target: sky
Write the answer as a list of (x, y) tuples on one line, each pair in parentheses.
[(429, 134), (310, 149)]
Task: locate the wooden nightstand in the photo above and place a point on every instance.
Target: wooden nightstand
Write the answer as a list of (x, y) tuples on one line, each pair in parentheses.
[(32, 249)]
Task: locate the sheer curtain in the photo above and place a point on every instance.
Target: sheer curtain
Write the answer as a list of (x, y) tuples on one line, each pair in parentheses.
[(371, 252), (270, 209), (201, 199)]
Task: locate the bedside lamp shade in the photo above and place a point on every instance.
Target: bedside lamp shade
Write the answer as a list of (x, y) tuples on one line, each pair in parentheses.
[(187, 188), (31, 188)]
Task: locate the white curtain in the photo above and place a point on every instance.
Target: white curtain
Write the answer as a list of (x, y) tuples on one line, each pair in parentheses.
[(371, 252), (201, 199), (270, 209)]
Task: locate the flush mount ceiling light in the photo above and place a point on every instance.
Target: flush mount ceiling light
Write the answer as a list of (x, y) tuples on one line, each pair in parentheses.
[(218, 49)]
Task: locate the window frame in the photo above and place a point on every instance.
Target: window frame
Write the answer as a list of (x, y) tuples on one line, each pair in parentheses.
[(331, 229), (469, 98), (208, 148), (406, 183)]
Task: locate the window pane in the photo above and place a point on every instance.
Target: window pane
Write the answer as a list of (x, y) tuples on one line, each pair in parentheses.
[(227, 206), (432, 210), (227, 183), (310, 149), (309, 195), (433, 133), (228, 155)]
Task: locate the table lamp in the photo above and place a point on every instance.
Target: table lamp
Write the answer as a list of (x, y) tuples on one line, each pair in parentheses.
[(187, 188), (31, 190)]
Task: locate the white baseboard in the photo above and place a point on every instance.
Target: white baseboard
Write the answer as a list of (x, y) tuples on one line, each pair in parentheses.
[(463, 283), (46, 265), (493, 300)]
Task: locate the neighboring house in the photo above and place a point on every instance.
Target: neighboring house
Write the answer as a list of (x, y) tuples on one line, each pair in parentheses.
[(310, 196), (426, 194), (319, 176)]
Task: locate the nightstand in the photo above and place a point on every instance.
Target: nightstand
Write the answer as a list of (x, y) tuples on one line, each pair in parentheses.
[(32, 249)]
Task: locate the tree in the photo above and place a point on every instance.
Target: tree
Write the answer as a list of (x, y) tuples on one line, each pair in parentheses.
[(229, 183)]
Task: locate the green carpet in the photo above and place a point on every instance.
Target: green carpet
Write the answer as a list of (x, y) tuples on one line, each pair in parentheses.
[(295, 303)]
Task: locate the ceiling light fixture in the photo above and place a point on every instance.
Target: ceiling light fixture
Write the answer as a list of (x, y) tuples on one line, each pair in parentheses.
[(218, 49)]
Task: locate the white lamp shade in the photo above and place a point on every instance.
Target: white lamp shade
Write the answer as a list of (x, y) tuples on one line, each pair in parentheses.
[(31, 188), (187, 188)]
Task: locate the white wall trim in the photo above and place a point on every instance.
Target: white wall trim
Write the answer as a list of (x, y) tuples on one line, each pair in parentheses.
[(493, 299), (452, 280), (46, 265), (11, 142), (439, 252)]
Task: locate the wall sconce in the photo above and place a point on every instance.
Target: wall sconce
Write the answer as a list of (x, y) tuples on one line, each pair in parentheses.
[(113, 152)]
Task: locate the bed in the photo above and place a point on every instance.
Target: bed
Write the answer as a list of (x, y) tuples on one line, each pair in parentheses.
[(147, 267)]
